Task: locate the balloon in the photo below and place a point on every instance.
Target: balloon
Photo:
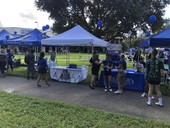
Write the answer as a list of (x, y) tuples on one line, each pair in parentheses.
[(152, 19), (7, 37), (100, 23), (44, 28), (147, 34), (15, 32), (47, 26)]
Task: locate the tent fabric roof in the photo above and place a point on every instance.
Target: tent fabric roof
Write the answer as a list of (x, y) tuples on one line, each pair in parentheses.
[(3, 35), (77, 36), (161, 39), (31, 39)]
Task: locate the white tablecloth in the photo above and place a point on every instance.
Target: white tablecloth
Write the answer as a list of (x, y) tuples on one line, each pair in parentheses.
[(65, 74)]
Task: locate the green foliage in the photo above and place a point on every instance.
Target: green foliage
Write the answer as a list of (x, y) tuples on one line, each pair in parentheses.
[(119, 17), (25, 112)]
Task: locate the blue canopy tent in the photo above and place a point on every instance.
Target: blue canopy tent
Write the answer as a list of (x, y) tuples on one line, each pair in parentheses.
[(4, 35), (162, 39), (144, 43), (31, 39)]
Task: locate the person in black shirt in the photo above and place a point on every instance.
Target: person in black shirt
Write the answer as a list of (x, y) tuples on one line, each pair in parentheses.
[(30, 64), (3, 63), (95, 61), (10, 58)]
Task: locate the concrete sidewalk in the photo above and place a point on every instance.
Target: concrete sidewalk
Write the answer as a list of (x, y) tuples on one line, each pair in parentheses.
[(129, 102)]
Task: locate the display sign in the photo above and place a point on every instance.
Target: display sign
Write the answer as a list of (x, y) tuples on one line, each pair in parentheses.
[(111, 48), (66, 74)]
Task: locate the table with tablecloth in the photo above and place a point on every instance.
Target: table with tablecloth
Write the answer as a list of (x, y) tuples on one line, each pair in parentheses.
[(134, 80), (66, 74)]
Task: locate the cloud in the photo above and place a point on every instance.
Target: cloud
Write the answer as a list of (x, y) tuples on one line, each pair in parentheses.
[(28, 16), (1, 24)]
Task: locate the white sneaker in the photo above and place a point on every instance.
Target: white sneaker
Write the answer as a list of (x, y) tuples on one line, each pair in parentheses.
[(152, 97), (110, 89), (118, 92), (159, 104), (148, 103), (143, 94), (105, 89)]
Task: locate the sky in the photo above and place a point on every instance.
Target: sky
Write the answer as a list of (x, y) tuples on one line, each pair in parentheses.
[(23, 13)]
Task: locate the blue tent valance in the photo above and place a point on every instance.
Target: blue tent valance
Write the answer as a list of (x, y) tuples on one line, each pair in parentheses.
[(161, 39)]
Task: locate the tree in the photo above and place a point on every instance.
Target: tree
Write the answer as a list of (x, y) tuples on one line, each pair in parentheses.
[(120, 17)]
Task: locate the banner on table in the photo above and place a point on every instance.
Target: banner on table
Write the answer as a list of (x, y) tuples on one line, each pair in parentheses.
[(68, 74)]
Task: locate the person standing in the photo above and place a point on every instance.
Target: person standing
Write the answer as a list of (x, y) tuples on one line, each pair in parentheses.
[(146, 86), (95, 61), (107, 66), (53, 56), (42, 69), (155, 68), (121, 74), (3, 63), (115, 58), (10, 56), (29, 59)]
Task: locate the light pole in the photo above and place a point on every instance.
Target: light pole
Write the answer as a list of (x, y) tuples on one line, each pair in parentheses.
[(36, 23)]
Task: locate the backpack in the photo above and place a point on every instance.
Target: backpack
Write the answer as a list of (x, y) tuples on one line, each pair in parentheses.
[(26, 59)]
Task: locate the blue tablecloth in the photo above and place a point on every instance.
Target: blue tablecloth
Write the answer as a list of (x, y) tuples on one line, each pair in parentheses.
[(134, 80)]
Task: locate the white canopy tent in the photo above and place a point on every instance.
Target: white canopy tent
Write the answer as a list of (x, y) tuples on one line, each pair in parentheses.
[(77, 36)]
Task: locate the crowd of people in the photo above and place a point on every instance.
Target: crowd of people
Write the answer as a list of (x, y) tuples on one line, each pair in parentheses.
[(153, 68), (108, 64), (6, 62)]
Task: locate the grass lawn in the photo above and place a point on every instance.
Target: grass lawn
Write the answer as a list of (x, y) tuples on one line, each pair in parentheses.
[(25, 112)]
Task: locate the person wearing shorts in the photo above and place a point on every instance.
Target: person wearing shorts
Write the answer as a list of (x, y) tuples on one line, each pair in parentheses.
[(107, 66), (154, 68), (95, 62), (121, 74), (42, 69)]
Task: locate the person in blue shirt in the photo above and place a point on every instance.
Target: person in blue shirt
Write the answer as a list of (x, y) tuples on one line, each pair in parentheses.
[(42, 69), (107, 66), (121, 74), (115, 58), (10, 58)]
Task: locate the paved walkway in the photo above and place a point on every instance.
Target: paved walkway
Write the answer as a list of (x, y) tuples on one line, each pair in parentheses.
[(129, 102)]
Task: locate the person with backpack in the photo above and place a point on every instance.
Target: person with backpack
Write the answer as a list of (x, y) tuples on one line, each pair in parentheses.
[(121, 74), (29, 60), (155, 69)]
